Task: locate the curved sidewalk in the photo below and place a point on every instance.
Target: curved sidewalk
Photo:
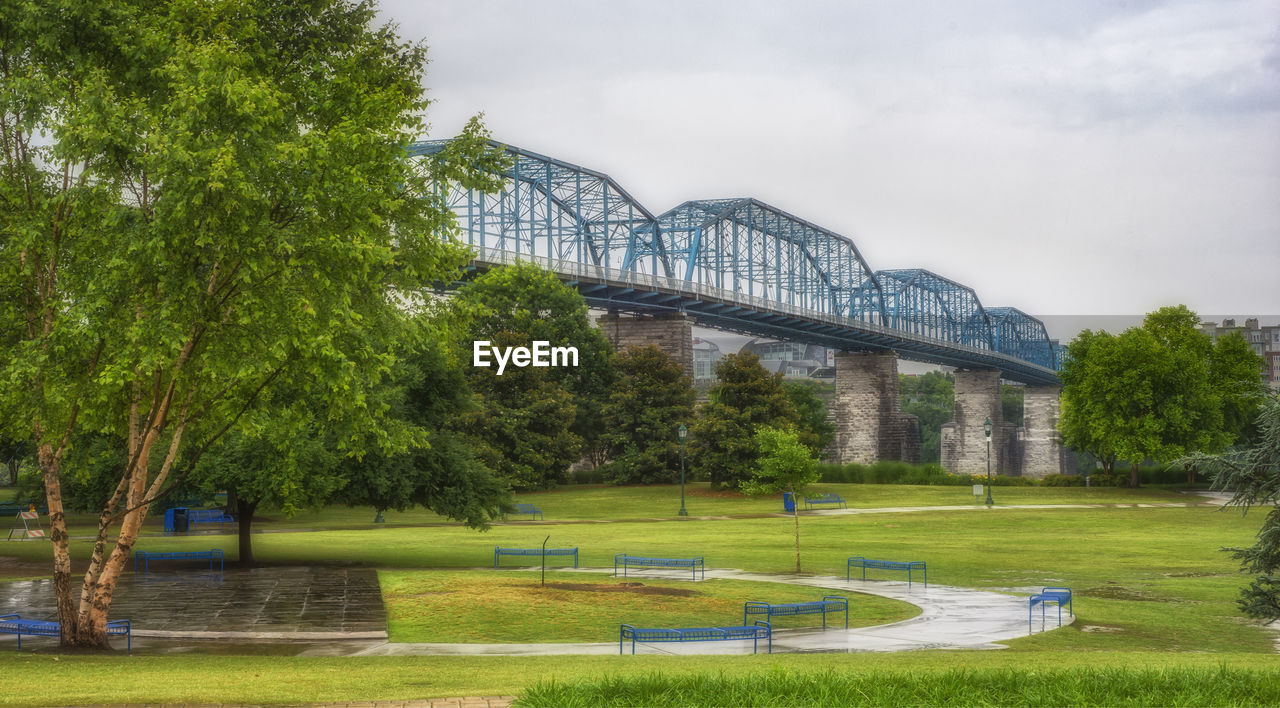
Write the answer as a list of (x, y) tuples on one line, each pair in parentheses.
[(950, 618)]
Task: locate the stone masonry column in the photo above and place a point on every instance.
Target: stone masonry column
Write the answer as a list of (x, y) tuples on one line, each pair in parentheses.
[(671, 332), (869, 424), (964, 444), (1042, 452)]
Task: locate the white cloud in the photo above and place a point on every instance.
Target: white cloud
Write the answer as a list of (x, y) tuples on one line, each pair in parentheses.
[(1082, 157)]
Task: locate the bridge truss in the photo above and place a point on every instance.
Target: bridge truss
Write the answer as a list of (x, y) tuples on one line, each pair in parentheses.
[(736, 264)]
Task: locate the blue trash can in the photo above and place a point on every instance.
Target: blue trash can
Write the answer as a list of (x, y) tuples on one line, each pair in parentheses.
[(788, 504), (177, 520)]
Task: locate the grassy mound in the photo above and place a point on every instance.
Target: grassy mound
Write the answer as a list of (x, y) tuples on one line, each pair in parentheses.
[(511, 606)]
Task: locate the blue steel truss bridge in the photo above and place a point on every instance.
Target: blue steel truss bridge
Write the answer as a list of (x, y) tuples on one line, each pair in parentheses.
[(739, 265)]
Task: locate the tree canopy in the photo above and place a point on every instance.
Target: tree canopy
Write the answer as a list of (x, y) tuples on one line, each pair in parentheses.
[(532, 422), (1252, 476), (785, 465), (1159, 391), (651, 399), (201, 201), (745, 397), (812, 427)]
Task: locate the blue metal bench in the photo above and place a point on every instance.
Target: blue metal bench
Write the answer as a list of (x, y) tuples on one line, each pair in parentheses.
[(528, 509), (1058, 596), (147, 556), (13, 624), (499, 552), (624, 560), (14, 508), (760, 630), (864, 563), (828, 603), (210, 516), (829, 499)]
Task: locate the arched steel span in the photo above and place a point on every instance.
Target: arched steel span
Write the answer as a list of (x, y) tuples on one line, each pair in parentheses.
[(1018, 334), (736, 264), (919, 301), (557, 210), (747, 246)]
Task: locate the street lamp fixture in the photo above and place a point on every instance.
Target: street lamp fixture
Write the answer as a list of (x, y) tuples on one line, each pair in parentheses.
[(986, 427), (683, 432)]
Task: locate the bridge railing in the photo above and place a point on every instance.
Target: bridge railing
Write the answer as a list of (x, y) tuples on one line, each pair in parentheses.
[(495, 256)]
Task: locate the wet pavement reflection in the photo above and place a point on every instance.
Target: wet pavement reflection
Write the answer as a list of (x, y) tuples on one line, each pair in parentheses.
[(190, 602)]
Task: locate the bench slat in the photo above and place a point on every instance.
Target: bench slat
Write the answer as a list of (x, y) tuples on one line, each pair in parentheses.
[(498, 552), (760, 630), (1057, 596), (13, 624), (148, 556), (694, 564), (864, 563), (829, 603)]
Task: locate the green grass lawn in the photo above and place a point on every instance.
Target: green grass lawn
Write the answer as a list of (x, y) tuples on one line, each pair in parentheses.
[(459, 606), (605, 503), (195, 678), (1152, 589)]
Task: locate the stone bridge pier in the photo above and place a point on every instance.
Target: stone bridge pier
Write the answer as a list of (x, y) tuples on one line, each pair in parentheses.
[(869, 423), (1034, 449), (672, 332), (964, 440), (1042, 451)]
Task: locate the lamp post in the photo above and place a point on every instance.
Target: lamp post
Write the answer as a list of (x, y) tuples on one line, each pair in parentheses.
[(986, 427), (683, 432)]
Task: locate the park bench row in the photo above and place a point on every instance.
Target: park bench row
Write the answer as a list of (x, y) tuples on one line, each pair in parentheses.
[(621, 560), (757, 630), (696, 564)]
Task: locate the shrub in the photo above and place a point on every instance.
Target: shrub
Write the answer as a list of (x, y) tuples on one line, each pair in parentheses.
[(908, 473), (587, 475)]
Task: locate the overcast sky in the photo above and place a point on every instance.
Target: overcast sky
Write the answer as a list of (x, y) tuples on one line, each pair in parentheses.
[(1064, 158)]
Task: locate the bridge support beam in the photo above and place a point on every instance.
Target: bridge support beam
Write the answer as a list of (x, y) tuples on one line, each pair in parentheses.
[(1042, 451), (964, 441), (671, 332), (870, 426)]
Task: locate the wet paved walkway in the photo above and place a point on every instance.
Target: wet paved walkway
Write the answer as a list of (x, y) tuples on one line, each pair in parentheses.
[(950, 618), (280, 603)]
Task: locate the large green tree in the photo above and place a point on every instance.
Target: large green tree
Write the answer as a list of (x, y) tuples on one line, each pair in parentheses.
[(1158, 391), (652, 398), (442, 473), (533, 422), (745, 397), (279, 456), (198, 200), (1252, 476)]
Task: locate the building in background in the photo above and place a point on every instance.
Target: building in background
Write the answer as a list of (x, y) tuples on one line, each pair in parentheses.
[(705, 356), (792, 359), (1264, 340)]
